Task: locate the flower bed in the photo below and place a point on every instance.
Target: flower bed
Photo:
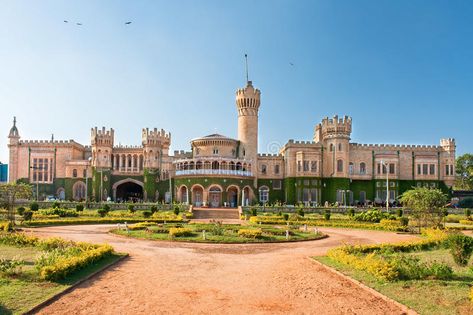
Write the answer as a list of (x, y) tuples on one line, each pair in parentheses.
[(99, 221)]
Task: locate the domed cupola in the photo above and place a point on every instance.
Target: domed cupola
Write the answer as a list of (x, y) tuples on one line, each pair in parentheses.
[(14, 134)]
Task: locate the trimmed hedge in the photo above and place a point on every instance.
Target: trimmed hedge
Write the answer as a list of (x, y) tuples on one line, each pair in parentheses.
[(98, 221), (250, 233), (466, 222), (176, 232), (363, 257)]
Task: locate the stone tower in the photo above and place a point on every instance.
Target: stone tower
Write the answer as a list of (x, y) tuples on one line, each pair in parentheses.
[(14, 140), (248, 102), (155, 145), (447, 160), (334, 134), (102, 145)]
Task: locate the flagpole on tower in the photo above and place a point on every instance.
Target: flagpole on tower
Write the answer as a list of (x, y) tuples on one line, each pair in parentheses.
[(246, 63)]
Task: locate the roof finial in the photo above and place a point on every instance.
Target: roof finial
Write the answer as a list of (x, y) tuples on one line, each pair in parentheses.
[(246, 63), (52, 137), (14, 121)]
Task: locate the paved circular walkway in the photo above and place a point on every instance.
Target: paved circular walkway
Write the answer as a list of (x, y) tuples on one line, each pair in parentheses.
[(183, 278)]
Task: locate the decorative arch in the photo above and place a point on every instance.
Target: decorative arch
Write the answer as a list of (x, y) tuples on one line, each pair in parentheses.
[(263, 194), (78, 191), (134, 193), (183, 194), (61, 193), (197, 195)]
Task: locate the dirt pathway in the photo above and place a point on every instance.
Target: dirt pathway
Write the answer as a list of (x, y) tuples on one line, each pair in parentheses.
[(178, 278)]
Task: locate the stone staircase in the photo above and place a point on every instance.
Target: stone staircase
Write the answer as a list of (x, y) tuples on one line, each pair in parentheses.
[(215, 213)]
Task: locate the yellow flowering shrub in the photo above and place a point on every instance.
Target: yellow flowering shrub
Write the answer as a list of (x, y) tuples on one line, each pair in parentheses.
[(176, 232), (250, 233)]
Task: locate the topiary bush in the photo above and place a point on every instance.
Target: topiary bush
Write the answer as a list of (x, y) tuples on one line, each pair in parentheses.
[(131, 208), (34, 206), (327, 214), (351, 212), (176, 210), (102, 212), (20, 210), (27, 215), (106, 207), (254, 212), (373, 216), (467, 212), (399, 212), (153, 209), (56, 204), (461, 248), (79, 208), (285, 216), (147, 214), (300, 212), (404, 221)]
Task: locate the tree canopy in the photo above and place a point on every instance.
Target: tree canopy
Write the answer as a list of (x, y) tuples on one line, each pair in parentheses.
[(464, 170), (425, 205), (10, 193)]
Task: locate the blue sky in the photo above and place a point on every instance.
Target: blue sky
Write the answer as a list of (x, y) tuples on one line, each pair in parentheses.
[(402, 69)]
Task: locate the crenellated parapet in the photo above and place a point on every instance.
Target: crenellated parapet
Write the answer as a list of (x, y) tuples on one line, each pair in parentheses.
[(248, 100), (331, 128), (155, 137), (102, 137), (448, 144), (395, 147)]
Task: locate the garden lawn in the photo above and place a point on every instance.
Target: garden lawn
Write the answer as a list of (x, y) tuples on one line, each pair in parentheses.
[(20, 293), (424, 296), (228, 234)]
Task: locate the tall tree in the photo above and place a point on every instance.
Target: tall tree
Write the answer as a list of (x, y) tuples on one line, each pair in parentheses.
[(10, 193), (425, 205), (464, 169)]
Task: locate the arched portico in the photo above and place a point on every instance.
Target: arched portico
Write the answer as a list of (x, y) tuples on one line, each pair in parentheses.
[(233, 194), (246, 195), (197, 195), (128, 189), (215, 196), (183, 194)]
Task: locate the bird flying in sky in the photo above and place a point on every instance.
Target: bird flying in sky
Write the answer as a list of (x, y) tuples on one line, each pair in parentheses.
[(66, 21), (79, 24), (127, 23)]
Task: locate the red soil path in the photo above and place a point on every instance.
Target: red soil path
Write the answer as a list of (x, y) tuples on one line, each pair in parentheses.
[(179, 278)]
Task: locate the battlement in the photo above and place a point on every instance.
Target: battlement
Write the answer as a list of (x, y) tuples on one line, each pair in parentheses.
[(448, 143), (182, 154), (394, 147), (270, 155), (248, 100), (155, 137), (102, 137), (50, 142), (292, 141), (333, 128), (121, 146)]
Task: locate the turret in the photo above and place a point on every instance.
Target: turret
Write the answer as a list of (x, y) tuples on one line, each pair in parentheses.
[(155, 144), (248, 103), (102, 145), (14, 140), (334, 134), (448, 144)]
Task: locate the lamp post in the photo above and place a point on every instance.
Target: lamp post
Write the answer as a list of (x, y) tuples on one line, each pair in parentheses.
[(37, 181), (387, 185)]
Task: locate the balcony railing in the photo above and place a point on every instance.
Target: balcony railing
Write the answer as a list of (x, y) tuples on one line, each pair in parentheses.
[(214, 172)]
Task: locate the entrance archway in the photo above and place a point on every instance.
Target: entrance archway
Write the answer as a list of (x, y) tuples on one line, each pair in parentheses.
[(183, 195), (215, 196), (232, 196), (197, 195), (128, 191), (247, 195)]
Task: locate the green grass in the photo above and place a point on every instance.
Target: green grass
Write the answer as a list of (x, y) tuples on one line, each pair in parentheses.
[(230, 235), (20, 293), (424, 296)]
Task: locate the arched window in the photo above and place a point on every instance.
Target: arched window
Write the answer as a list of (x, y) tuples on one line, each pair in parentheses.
[(331, 147), (263, 194), (362, 168), (263, 168), (339, 165), (350, 168), (215, 165), (74, 173), (78, 191), (339, 147)]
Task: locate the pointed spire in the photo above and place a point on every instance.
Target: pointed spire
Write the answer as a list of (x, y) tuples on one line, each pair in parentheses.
[(52, 137), (14, 121), (14, 130), (246, 64)]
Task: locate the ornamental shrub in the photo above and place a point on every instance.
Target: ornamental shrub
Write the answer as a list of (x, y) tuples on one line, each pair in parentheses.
[(176, 232), (373, 216), (300, 212), (131, 208), (254, 212), (6, 226), (286, 216), (404, 221), (106, 207), (147, 214), (280, 213), (327, 214), (250, 233), (34, 206), (351, 212), (10, 266), (20, 210), (56, 204), (461, 248), (79, 207), (59, 212), (153, 209), (27, 215), (467, 212), (102, 212), (399, 212), (177, 210)]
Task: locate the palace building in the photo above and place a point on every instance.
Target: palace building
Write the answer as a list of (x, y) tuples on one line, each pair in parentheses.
[(220, 171)]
